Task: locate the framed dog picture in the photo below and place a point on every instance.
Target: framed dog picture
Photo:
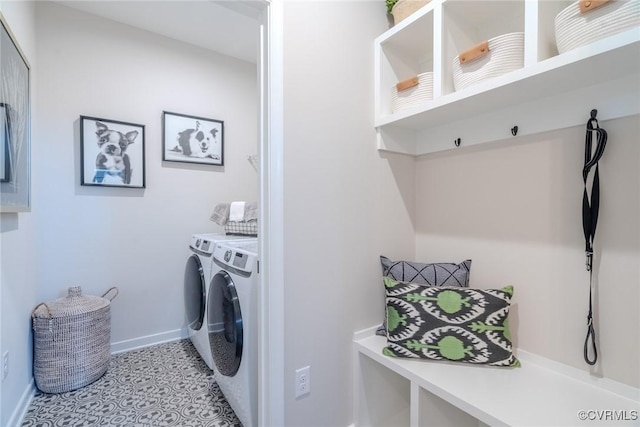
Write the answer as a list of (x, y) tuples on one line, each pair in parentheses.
[(112, 153), (192, 139)]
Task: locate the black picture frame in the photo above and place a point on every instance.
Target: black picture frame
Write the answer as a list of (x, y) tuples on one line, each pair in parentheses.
[(192, 139), (15, 124), (111, 153)]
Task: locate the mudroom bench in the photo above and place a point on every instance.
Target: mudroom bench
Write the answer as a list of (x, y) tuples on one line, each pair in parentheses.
[(400, 392)]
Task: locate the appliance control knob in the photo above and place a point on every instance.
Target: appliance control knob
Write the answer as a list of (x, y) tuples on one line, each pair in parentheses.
[(227, 256), (198, 242)]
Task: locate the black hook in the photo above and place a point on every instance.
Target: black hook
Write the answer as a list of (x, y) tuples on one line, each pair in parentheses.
[(514, 130), (457, 142), (593, 121)]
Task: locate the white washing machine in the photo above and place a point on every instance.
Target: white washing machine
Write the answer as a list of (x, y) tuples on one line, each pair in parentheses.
[(233, 322), (197, 276)]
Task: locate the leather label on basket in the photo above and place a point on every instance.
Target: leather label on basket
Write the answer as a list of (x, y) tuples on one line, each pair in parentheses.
[(476, 51), (407, 84), (587, 5)]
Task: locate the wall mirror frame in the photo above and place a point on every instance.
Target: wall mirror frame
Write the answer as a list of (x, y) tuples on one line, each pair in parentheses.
[(15, 124)]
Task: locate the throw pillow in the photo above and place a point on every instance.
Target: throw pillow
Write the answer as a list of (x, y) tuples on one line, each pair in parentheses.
[(434, 274), (455, 324)]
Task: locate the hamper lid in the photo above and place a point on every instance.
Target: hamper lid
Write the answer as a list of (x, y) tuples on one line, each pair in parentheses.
[(74, 303)]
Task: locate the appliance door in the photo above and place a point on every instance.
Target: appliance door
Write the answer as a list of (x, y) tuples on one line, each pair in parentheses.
[(195, 288), (224, 321)]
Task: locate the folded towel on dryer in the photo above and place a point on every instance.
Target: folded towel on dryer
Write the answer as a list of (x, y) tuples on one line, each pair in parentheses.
[(236, 211), (250, 211), (220, 213)]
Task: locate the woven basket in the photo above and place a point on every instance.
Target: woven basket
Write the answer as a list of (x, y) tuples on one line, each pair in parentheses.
[(495, 57), (404, 8), (574, 28), (71, 340), (412, 92)]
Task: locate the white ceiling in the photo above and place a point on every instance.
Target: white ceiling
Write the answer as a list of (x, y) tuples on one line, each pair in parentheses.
[(229, 27)]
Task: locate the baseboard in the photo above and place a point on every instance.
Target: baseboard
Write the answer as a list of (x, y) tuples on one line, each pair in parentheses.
[(23, 405), (149, 340)]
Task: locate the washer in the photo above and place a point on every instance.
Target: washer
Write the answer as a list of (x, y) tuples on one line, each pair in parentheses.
[(232, 322), (197, 276)]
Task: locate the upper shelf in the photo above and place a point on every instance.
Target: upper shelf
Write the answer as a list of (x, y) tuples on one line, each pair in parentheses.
[(551, 91)]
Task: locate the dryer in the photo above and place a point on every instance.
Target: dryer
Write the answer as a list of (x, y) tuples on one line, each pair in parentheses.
[(232, 320), (197, 276)]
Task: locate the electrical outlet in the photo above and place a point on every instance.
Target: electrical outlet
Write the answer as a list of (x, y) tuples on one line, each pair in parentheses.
[(303, 381), (5, 365)]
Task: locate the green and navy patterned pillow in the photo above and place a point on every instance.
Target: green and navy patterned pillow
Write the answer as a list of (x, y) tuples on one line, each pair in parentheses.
[(451, 323), (432, 274)]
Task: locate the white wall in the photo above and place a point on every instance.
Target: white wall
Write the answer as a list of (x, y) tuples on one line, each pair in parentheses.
[(18, 280), (345, 204), (515, 209), (131, 238)]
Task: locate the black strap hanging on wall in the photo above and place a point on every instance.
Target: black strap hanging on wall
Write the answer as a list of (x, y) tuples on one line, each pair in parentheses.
[(590, 207)]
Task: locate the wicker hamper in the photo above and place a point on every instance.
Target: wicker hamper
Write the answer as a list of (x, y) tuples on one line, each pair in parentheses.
[(71, 340)]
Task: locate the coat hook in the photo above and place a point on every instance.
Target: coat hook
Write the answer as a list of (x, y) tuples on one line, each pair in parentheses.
[(594, 113), (514, 130), (457, 142)]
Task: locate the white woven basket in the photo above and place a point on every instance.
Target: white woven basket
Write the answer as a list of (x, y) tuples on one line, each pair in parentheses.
[(417, 94), (71, 340), (505, 54), (574, 28)]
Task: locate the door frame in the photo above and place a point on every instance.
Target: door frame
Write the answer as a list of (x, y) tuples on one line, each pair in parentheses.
[(271, 373)]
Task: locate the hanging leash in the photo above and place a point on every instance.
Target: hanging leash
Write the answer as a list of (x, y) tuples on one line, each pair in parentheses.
[(590, 208)]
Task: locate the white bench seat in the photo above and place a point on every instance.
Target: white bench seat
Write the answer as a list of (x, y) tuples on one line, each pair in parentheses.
[(539, 393)]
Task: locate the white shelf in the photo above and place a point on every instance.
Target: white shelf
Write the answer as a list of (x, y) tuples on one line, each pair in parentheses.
[(551, 92), (541, 392)]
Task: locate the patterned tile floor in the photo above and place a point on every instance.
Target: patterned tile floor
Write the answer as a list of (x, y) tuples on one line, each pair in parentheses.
[(162, 385)]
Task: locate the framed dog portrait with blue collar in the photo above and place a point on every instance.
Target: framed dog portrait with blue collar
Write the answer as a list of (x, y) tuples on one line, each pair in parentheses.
[(112, 153), (192, 139)]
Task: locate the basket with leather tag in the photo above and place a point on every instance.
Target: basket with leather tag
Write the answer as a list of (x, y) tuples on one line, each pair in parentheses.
[(491, 58), (412, 92), (587, 21)]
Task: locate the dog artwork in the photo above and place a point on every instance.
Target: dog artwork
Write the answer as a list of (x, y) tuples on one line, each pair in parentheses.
[(198, 142), (113, 160)]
